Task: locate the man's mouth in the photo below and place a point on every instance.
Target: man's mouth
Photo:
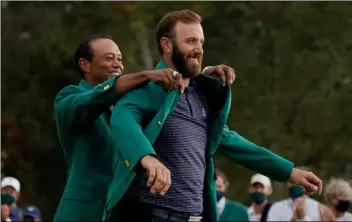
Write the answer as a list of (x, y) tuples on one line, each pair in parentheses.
[(115, 73), (194, 61)]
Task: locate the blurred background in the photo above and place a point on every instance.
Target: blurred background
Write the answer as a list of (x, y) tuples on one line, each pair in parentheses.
[(292, 92)]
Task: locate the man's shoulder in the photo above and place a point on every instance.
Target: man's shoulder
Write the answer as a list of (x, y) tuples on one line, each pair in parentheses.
[(70, 89), (150, 89)]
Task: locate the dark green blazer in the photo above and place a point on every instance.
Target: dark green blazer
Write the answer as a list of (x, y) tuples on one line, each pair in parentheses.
[(138, 117), (234, 211), (83, 129)]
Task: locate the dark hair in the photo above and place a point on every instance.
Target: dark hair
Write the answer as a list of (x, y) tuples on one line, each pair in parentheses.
[(165, 27), (84, 50)]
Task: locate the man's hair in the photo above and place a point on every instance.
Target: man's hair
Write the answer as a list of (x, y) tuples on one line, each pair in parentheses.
[(221, 174), (338, 188), (165, 27), (84, 50)]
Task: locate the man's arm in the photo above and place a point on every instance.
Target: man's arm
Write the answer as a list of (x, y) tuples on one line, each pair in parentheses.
[(254, 157), (267, 163), (74, 106), (126, 126)]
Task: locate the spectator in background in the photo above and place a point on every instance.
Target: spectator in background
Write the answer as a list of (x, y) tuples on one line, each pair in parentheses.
[(339, 195), (259, 191), (299, 207), (31, 213), (228, 210), (6, 205), (11, 186)]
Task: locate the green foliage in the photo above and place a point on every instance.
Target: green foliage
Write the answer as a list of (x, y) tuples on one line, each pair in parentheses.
[(292, 92)]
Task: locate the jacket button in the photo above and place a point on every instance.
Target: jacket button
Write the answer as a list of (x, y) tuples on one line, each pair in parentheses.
[(159, 123), (127, 164)]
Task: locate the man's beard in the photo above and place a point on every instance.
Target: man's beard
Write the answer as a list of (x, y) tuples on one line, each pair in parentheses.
[(179, 59)]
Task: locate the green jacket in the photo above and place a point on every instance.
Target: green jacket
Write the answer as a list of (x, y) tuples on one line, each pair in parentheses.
[(152, 104), (84, 133), (234, 211)]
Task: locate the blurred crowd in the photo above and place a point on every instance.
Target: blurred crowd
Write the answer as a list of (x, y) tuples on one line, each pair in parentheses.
[(298, 207), (10, 211)]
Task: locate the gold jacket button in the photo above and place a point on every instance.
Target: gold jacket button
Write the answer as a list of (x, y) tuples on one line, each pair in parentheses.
[(127, 164), (106, 87)]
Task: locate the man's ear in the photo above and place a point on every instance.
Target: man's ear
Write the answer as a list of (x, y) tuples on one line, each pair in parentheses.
[(166, 44), (84, 64)]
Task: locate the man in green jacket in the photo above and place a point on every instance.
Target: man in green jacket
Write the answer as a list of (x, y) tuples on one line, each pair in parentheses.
[(228, 210), (82, 115), (166, 138)]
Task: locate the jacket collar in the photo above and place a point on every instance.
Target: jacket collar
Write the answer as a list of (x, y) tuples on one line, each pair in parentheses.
[(85, 84)]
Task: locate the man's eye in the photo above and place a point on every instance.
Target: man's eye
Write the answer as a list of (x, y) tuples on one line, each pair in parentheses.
[(109, 58)]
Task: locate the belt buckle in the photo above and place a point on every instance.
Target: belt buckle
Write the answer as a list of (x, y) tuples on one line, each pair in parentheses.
[(194, 219)]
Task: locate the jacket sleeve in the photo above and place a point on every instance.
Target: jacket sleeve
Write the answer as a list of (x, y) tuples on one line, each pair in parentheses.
[(254, 157), (74, 106), (126, 125)]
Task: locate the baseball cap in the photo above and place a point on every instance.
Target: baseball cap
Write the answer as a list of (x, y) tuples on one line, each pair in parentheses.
[(12, 182), (258, 178), (31, 211)]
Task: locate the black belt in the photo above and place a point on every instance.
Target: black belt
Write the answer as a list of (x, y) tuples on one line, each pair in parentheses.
[(174, 216)]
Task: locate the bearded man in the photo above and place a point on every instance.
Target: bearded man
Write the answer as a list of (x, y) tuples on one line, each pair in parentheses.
[(166, 139)]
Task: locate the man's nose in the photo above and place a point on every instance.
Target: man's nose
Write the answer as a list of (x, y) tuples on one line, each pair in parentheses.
[(199, 49)]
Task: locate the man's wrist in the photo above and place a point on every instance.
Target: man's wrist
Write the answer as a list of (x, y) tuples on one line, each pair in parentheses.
[(146, 75)]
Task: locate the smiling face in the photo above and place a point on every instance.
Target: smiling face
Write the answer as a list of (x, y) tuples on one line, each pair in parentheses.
[(106, 61), (187, 48)]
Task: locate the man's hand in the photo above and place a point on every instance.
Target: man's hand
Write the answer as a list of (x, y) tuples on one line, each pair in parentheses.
[(159, 179), (300, 204), (169, 78), (223, 72), (308, 180)]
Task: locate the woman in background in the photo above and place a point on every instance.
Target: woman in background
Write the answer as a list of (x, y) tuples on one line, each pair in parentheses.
[(339, 195)]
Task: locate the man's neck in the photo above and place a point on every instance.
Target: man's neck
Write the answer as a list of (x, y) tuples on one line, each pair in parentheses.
[(258, 208)]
